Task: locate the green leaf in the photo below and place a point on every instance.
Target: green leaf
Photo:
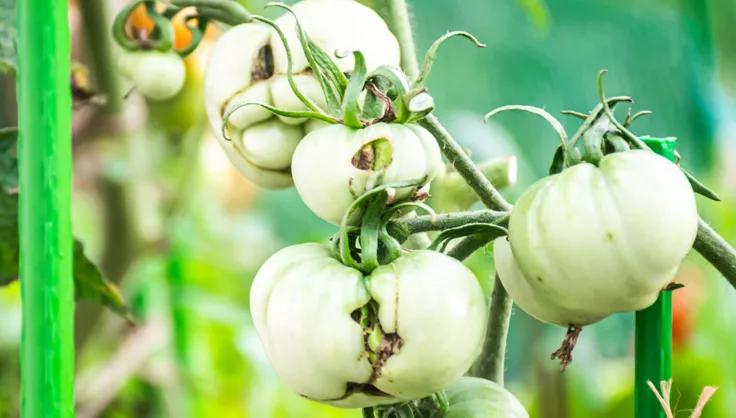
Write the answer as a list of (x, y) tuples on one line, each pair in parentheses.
[(8, 159), (89, 284), (7, 37), (8, 238), (88, 281)]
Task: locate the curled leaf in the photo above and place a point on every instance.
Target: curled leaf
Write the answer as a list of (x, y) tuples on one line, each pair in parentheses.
[(432, 53), (276, 111), (556, 125)]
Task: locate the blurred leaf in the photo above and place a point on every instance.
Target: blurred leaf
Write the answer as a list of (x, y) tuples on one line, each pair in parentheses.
[(88, 281), (90, 285), (537, 12), (7, 37), (8, 238), (8, 159)]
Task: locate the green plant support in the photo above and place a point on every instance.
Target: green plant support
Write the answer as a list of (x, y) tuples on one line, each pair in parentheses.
[(654, 329), (47, 289)]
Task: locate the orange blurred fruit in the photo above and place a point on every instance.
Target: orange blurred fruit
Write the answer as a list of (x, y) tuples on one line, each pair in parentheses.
[(139, 20)]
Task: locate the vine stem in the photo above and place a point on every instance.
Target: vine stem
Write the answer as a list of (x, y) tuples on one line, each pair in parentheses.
[(717, 251), (400, 23), (491, 366), (404, 227), (229, 12)]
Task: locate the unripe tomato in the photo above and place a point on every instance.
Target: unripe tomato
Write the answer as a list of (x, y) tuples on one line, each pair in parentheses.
[(592, 241), (427, 325), (471, 397), (248, 64), (334, 164), (157, 75)]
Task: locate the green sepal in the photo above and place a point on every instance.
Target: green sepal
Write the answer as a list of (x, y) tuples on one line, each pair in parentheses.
[(162, 36), (398, 87), (432, 53), (351, 100), (593, 146), (700, 188), (615, 143), (309, 103), (443, 239), (324, 69), (370, 230), (558, 161)]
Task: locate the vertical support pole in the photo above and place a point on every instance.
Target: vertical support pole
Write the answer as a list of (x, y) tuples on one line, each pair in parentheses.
[(653, 341), (47, 289)]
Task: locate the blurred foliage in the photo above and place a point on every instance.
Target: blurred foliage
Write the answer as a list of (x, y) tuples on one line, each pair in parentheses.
[(204, 230), (7, 36)]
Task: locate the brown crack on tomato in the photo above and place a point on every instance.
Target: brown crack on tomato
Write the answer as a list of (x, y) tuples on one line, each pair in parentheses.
[(263, 65), (375, 155), (379, 345), (564, 353)]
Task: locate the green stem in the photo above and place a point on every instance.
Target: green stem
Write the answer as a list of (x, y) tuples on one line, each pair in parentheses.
[(717, 251), (45, 166), (399, 21), (490, 364), (94, 20), (426, 223), (226, 11)]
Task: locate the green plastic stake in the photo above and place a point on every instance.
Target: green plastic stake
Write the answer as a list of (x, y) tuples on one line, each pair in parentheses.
[(44, 153), (654, 329)]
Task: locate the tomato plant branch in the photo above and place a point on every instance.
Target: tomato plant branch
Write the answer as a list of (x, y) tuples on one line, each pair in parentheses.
[(399, 21), (225, 11), (491, 365), (717, 251), (425, 223), (94, 20)]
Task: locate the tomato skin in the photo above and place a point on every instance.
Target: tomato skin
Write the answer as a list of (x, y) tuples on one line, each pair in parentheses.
[(302, 300), (592, 241), (328, 181), (472, 397), (157, 75), (248, 63)]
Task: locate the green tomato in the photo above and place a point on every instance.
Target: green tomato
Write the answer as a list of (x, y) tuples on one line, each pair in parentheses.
[(471, 397), (428, 325), (592, 241), (248, 64), (334, 164), (157, 75)]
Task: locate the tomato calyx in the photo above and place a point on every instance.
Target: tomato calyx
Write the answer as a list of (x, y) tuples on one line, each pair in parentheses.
[(143, 25), (564, 353)]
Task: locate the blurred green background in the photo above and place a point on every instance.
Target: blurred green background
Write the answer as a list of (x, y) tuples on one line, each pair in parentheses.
[(159, 208)]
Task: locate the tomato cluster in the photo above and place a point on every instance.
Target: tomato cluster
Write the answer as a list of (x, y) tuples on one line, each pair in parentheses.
[(315, 99)]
